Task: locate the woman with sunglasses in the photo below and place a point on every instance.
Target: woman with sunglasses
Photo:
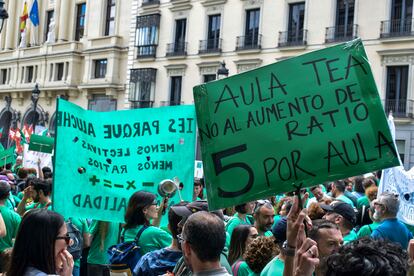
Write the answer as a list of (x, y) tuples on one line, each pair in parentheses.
[(41, 246), (142, 208)]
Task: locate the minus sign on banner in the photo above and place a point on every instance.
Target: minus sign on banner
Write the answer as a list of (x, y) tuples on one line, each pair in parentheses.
[(148, 184)]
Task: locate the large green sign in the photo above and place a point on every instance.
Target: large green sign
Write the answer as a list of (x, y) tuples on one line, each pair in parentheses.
[(304, 120), (101, 158)]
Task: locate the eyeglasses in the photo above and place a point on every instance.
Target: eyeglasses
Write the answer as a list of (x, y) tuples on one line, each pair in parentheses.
[(66, 238), (180, 238), (260, 203)]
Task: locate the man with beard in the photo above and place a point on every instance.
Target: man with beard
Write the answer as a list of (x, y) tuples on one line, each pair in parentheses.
[(386, 209), (202, 241), (39, 190), (338, 192), (343, 215), (264, 217), (328, 238)]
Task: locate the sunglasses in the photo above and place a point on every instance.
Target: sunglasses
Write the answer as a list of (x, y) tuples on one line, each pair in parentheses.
[(260, 203), (66, 238)]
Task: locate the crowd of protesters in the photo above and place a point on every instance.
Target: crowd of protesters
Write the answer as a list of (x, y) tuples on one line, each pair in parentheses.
[(345, 228)]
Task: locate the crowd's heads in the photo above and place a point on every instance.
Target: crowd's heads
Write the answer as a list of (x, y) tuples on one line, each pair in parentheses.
[(368, 182), (174, 220), (141, 206), (315, 211), (386, 205), (371, 192), (246, 208), (279, 231), (340, 213), (358, 187), (317, 192), (368, 257), (327, 235), (4, 190), (260, 252), (263, 215), (47, 172), (241, 236), (22, 173), (338, 187), (40, 188), (38, 242), (203, 238), (193, 207)]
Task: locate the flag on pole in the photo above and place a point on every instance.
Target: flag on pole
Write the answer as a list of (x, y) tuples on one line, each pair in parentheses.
[(34, 18), (23, 18), (23, 139), (27, 132), (34, 14)]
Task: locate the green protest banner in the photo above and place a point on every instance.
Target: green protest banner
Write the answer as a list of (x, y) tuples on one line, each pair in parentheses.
[(304, 120), (102, 158), (41, 143), (7, 156)]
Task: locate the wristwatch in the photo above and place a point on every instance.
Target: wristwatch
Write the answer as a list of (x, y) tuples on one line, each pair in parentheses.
[(287, 250)]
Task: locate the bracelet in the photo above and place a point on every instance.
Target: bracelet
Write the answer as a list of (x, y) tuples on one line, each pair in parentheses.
[(288, 250)]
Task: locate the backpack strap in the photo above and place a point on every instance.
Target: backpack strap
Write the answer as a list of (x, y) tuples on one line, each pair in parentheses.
[(370, 229), (139, 233), (235, 267)]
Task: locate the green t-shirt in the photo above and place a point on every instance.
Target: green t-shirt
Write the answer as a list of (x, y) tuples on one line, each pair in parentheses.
[(97, 254), (83, 227), (274, 268), (12, 222), (362, 201), (268, 234), (367, 230), (153, 238), (345, 199), (243, 270), (12, 202), (38, 206), (350, 237), (234, 222)]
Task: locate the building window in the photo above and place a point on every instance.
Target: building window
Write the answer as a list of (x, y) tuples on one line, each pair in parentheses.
[(208, 78), (29, 74), (80, 21), (49, 16), (100, 68), (110, 17), (142, 87), (401, 149), (146, 35), (179, 45), (102, 103), (59, 71), (344, 18), (213, 33), (401, 16), (296, 21), (251, 31), (396, 93), (175, 90), (3, 76)]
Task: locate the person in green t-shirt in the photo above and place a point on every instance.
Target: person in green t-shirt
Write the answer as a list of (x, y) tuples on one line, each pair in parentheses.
[(243, 216), (103, 235), (142, 208), (39, 190), (9, 223), (264, 217), (83, 227), (240, 238)]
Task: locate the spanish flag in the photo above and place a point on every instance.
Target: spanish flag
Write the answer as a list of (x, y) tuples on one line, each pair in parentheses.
[(23, 18)]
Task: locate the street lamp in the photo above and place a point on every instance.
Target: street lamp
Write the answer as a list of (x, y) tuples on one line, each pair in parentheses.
[(35, 98), (3, 15), (222, 72)]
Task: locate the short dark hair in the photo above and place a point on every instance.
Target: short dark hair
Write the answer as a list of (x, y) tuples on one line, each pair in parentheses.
[(367, 257), (22, 173), (241, 209), (174, 220), (206, 235), (42, 185), (35, 242), (340, 185), (358, 187), (134, 214), (319, 224)]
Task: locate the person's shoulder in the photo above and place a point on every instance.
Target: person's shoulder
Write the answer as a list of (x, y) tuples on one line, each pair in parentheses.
[(31, 271)]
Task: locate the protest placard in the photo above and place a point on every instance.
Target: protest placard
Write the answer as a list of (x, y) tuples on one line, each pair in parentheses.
[(41, 143), (31, 158), (304, 120), (7, 156), (102, 158)]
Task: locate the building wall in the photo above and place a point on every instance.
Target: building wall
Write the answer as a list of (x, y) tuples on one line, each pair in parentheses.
[(78, 84), (274, 17)]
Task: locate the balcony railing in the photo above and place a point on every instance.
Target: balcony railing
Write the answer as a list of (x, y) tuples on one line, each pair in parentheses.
[(170, 103), (399, 108), (150, 2), (396, 28), (141, 104), (249, 42), (289, 38), (210, 46), (146, 51), (341, 33), (177, 49)]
